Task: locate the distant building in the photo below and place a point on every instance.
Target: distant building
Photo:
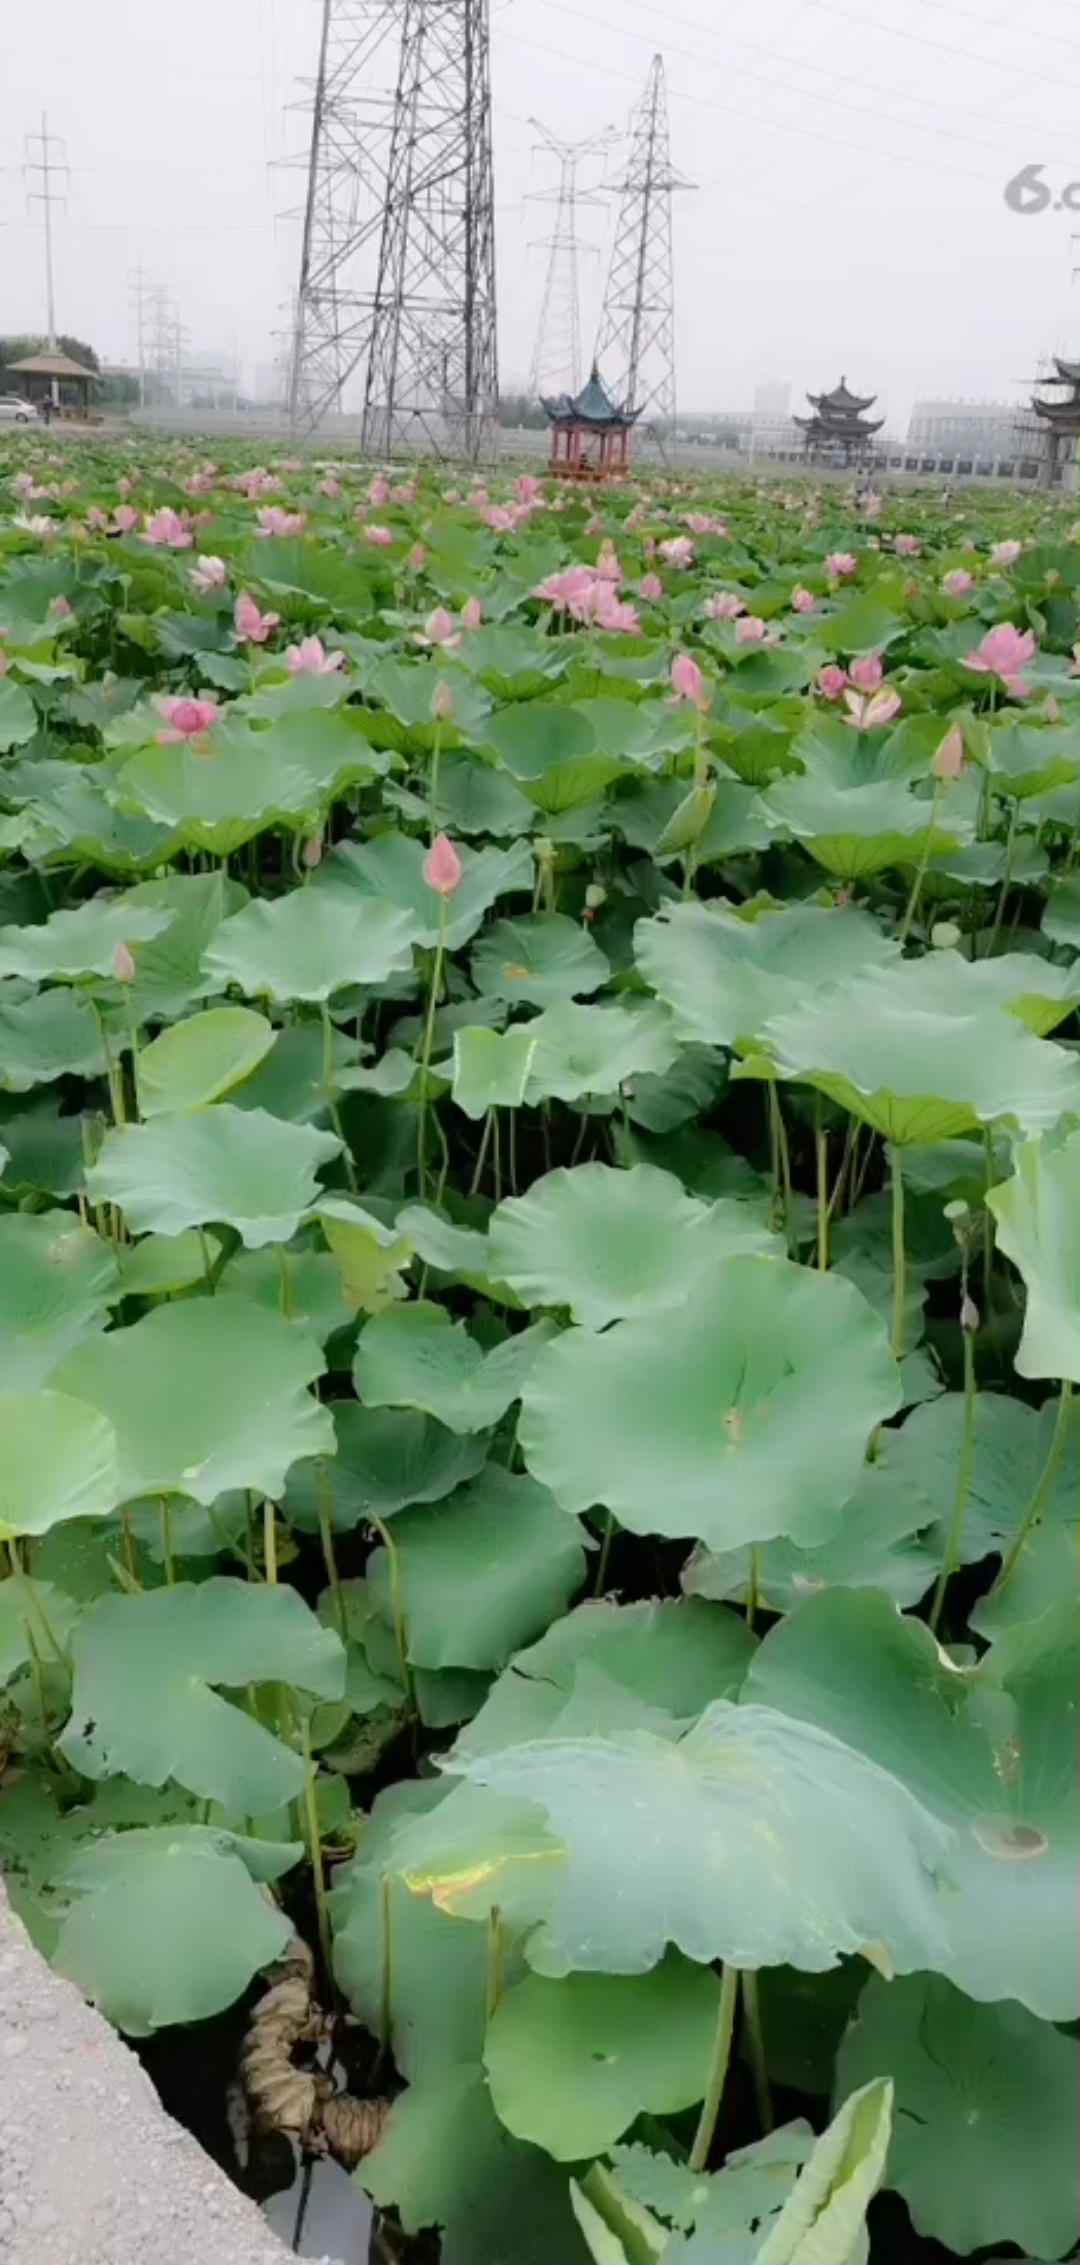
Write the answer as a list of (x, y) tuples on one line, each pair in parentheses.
[(991, 430), (838, 431)]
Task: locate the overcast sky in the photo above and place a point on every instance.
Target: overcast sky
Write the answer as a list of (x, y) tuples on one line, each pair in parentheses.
[(849, 156)]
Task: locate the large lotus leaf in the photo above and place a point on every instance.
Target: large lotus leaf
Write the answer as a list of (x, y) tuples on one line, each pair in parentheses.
[(226, 1166), (673, 1656), (205, 1395), (44, 1149), (309, 943), (222, 790), (34, 1616), (877, 1545), (991, 1754), (167, 1926), (749, 2191), (752, 1838), (391, 867), (743, 1413), (57, 1279), (292, 1081), (1011, 1447), (58, 1460), (583, 1050), (854, 831), (914, 1072), (1041, 994), (415, 1356), (480, 1573), (143, 1700), (723, 976), (607, 1243), (984, 2137), (385, 1459), (1038, 1227), (303, 1284), (53, 1034), (444, 2159), (554, 753), (572, 2063), (491, 1067), (198, 1060), (406, 690), (169, 971), (79, 943), (1044, 1571), (18, 716), (823, 2221), (540, 959), (1025, 759), (1061, 918)]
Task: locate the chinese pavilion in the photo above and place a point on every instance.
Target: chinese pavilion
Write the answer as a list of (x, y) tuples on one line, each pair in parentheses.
[(52, 381), (839, 432), (1060, 419), (590, 434)]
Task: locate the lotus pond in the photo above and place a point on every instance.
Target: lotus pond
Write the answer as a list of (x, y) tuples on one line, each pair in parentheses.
[(539, 1318)]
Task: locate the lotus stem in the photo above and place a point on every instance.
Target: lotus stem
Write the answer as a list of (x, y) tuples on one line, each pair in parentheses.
[(397, 1609), (778, 1136), (920, 872), (753, 1587), (821, 1145), (494, 1960), (425, 1050), (1042, 1493), (385, 1971), (605, 1552), (208, 1268), (270, 1564), (899, 1256), (485, 1137), (166, 1543), (113, 1075), (326, 1538), (719, 2062), (1006, 879), (755, 2045), (314, 1835), (954, 1536), (433, 783)]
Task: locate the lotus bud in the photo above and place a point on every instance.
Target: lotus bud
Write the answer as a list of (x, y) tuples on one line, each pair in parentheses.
[(123, 966), (1050, 709), (969, 1313), (471, 614), (949, 760), (443, 869), (442, 703), (945, 935), (595, 896), (311, 854)]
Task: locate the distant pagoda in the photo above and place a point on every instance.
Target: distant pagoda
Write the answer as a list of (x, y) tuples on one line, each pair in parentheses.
[(1060, 420), (590, 433), (839, 432)]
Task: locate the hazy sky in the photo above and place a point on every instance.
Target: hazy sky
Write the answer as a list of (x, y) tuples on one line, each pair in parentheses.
[(849, 157)]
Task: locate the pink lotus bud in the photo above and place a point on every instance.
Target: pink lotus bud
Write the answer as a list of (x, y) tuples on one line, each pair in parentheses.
[(442, 703), (651, 589), (471, 614), (1051, 713), (866, 672), (831, 680), (123, 966), (957, 582), (443, 869), (687, 682), (969, 1313), (311, 854), (416, 558), (949, 760)]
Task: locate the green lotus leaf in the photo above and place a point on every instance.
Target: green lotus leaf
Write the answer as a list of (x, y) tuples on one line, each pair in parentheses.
[(539, 960), (1041, 994), (205, 1395), (226, 788), (585, 1050), (1061, 917), (1011, 1449), (472, 799), (823, 2222), (1025, 759), (444, 2159), (572, 2063), (368, 1254), (854, 831), (292, 1082), (391, 867), (437, 1242), (57, 1280), (741, 1414), (224, 1167), (877, 1545), (161, 1265), (608, 1244), (79, 943), (305, 1286), (415, 1356), (554, 753), (310, 943), (406, 690), (491, 1068), (752, 1838), (18, 716), (143, 1699), (723, 976), (479, 1573), (43, 1149), (984, 2136), (752, 2187), (196, 1061), (1038, 1226), (55, 1034), (167, 1926), (58, 1460), (384, 1460), (1042, 1574), (169, 970), (34, 1616), (990, 1754)]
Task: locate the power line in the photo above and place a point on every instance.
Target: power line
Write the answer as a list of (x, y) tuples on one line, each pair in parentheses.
[(636, 341), (46, 168), (557, 353)]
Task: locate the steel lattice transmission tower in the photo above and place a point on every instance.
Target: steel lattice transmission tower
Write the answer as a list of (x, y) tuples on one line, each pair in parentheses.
[(635, 347), (557, 354)]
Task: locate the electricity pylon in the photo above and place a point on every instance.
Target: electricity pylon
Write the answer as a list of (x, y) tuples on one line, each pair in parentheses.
[(635, 347), (556, 358)]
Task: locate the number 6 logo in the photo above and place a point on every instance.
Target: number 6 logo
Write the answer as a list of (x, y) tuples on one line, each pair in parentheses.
[(1028, 192)]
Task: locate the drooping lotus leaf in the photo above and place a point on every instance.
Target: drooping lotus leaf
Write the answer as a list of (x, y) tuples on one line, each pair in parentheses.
[(57, 1279), (582, 1050), (991, 1754), (415, 1356), (540, 959), (491, 1067), (573, 2063), (445, 2159), (292, 1081), (166, 1926), (58, 1460), (18, 716), (984, 2136), (225, 1167), (481, 1572), (1038, 1226), (79, 943), (855, 831), (196, 1061), (1041, 994), (878, 1544), (161, 1265), (554, 753), (205, 1395), (384, 1459), (391, 867), (1011, 1448), (221, 791), (723, 977), (309, 943), (741, 1414), (34, 1615), (53, 1034), (751, 1838), (608, 1244), (143, 1698), (169, 970), (43, 1148)]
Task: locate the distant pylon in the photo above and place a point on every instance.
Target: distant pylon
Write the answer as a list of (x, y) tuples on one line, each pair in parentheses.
[(635, 347), (432, 377), (557, 354)]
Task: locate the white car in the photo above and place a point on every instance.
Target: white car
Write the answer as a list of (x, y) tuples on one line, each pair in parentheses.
[(15, 411)]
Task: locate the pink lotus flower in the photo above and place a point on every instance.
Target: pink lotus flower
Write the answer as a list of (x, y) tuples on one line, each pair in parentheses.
[(840, 564), (451, 495), (166, 530), (96, 519), (803, 601), (723, 606), (949, 758), (378, 491), (185, 718), (698, 522), (1006, 553), (310, 658), (125, 519), (272, 520), (751, 630), (417, 559), (678, 550), (253, 627), (208, 574), (957, 582), (330, 487), (868, 709), (405, 492), (35, 524), (831, 681), (871, 506), (906, 546), (479, 498), (443, 870), (61, 608), (687, 681), (607, 564), (123, 966), (1002, 653), (866, 672), (472, 614), (442, 703), (651, 589), (439, 629), (380, 536), (527, 487)]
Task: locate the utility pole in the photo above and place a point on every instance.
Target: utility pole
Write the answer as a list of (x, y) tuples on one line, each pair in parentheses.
[(140, 292), (46, 167), (557, 353), (636, 344)]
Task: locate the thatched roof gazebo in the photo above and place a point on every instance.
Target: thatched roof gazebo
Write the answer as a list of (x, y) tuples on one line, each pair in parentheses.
[(52, 380)]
